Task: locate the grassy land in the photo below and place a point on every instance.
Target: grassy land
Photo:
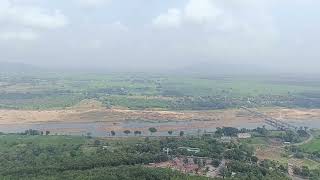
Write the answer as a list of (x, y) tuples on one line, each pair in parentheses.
[(14, 141), (256, 141), (140, 91), (314, 145)]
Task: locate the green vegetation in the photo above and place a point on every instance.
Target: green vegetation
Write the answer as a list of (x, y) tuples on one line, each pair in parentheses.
[(68, 157), (314, 145), (143, 91)]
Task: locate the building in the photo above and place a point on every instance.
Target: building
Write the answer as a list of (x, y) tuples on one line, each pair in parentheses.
[(244, 135), (189, 149)]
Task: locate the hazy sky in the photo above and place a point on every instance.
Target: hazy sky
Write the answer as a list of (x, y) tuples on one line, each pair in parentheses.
[(281, 34)]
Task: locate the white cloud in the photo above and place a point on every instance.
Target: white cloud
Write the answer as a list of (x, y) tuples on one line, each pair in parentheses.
[(92, 3), (29, 16), (37, 18), (201, 11), (17, 16), (20, 35), (172, 18), (118, 26), (245, 15), (218, 29), (195, 11)]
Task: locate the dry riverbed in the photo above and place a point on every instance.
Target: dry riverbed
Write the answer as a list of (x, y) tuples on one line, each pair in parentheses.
[(113, 119)]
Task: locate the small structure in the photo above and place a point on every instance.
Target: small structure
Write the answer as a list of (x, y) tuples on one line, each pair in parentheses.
[(108, 148), (244, 135), (166, 150), (189, 149)]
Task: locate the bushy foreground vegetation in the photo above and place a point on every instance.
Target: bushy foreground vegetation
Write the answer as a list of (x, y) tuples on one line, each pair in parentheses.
[(143, 91), (67, 157)]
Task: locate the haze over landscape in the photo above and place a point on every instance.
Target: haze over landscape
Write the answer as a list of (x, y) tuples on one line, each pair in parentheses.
[(144, 34), (159, 89)]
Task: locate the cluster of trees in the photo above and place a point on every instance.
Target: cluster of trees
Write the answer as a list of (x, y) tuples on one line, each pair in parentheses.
[(226, 131), (291, 136), (33, 132), (36, 160), (263, 170), (152, 130)]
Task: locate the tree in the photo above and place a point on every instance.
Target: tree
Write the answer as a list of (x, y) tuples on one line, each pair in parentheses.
[(185, 160), (195, 160), (215, 163), (137, 133), (224, 172), (201, 163), (127, 132), (262, 131), (113, 133), (170, 132), (218, 132), (254, 159), (181, 133), (291, 136), (230, 131), (152, 130), (305, 171), (89, 135), (96, 142)]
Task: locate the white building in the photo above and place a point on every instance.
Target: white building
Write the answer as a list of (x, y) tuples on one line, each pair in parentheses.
[(244, 135)]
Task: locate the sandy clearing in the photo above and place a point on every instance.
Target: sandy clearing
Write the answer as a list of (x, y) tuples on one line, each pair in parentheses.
[(98, 114), (293, 114)]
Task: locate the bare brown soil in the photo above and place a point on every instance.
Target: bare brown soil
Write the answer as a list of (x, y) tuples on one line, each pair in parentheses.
[(293, 114), (226, 117), (91, 111)]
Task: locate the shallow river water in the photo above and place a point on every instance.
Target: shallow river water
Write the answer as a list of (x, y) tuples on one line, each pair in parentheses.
[(102, 129)]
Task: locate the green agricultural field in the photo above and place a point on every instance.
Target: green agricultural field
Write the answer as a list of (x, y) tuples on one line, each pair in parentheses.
[(143, 90), (14, 141), (313, 146)]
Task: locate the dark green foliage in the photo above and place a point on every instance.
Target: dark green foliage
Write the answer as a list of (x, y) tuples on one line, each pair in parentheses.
[(137, 132), (127, 132), (226, 131), (113, 133), (59, 157), (254, 171), (291, 136), (262, 131), (152, 130), (215, 162)]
